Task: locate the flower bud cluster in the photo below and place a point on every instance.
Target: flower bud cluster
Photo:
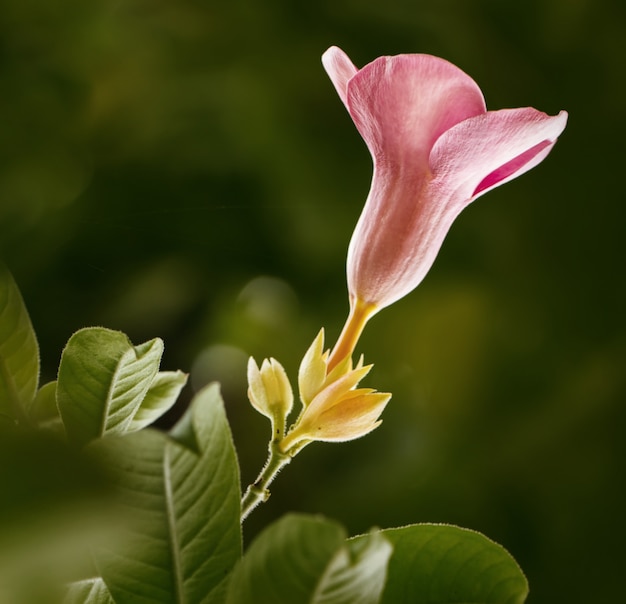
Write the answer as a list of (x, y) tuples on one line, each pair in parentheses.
[(334, 408)]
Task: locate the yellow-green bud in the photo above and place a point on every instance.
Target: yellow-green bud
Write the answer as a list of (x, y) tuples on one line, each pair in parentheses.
[(269, 390)]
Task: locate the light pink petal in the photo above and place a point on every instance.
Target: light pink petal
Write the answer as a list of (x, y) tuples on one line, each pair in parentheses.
[(391, 252), (339, 69), (402, 104), (488, 150)]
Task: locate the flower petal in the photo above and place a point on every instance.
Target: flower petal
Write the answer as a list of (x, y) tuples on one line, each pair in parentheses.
[(312, 372), (402, 104), (488, 150), (340, 70), (256, 388), (283, 394), (354, 416), (397, 238), (336, 390)]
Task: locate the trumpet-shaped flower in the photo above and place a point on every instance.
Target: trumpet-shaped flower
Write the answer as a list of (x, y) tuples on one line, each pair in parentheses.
[(435, 149)]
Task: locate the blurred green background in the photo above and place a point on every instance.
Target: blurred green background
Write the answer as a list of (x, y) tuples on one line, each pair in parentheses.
[(186, 170)]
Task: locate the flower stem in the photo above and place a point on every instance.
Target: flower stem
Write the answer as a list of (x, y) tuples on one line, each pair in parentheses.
[(258, 491), (360, 313)]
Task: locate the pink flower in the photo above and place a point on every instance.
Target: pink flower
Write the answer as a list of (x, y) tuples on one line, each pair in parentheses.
[(435, 149)]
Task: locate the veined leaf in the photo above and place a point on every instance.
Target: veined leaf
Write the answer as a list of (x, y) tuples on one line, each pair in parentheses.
[(161, 395), (441, 564), (307, 560), (19, 351), (357, 573), (182, 510), (102, 381), (90, 591)]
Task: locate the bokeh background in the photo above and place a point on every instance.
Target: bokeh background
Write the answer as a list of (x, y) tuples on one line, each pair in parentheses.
[(185, 170)]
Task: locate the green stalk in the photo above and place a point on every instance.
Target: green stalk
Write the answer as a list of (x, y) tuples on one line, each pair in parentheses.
[(258, 491)]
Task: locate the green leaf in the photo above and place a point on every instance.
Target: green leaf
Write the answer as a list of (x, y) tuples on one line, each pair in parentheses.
[(102, 381), (182, 510), (440, 564), (161, 395), (44, 407), (54, 505), (44, 411), (184, 433), (306, 559), (90, 591), (358, 572), (19, 351)]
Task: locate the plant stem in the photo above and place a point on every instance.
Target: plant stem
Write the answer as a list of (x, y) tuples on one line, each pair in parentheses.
[(258, 491), (360, 313)]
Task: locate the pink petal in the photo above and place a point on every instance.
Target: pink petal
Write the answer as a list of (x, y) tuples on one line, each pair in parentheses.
[(340, 70), (402, 104), (393, 246), (488, 150)]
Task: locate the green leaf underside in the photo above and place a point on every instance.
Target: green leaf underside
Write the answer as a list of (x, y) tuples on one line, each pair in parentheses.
[(306, 559), (90, 591), (19, 351), (161, 395), (102, 381), (183, 532), (441, 564), (358, 572)]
